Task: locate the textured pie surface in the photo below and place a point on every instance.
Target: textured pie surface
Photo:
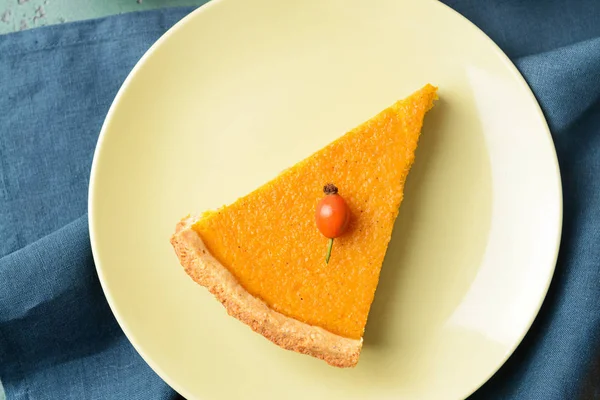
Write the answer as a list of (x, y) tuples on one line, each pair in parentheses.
[(269, 242)]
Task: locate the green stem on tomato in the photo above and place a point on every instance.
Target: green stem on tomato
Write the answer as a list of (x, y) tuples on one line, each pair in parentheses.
[(328, 255)]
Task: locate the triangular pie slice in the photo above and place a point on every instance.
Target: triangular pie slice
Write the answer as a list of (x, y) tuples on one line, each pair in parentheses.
[(263, 256)]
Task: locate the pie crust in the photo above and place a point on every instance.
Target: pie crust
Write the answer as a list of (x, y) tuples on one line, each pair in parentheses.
[(282, 330)]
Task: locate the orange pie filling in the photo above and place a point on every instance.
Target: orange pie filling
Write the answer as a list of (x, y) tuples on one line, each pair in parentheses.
[(269, 241)]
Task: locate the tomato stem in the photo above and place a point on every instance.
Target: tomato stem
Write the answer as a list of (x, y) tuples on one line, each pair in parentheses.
[(330, 188), (328, 255)]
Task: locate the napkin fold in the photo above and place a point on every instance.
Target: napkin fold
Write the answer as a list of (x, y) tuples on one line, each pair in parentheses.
[(58, 337)]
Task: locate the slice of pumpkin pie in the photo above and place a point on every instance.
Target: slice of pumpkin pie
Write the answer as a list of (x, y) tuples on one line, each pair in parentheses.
[(263, 256)]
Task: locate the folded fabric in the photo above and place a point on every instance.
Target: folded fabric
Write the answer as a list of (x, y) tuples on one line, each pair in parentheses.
[(58, 337)]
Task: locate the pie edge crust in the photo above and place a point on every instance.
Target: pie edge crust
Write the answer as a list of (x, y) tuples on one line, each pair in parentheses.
[(284, 331)]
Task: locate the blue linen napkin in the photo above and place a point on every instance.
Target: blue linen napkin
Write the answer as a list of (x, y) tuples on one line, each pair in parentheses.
[(58, 338)]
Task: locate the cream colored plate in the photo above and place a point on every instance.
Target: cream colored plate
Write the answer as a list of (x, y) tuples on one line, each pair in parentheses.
[(239, 91)]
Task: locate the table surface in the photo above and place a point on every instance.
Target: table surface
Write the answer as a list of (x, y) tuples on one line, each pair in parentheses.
[(16, 15)]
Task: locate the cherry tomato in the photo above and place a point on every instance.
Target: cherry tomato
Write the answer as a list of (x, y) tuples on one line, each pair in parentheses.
[(332, 213)]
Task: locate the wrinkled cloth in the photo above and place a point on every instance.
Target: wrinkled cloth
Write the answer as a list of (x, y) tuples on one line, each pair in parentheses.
[(58, 337)]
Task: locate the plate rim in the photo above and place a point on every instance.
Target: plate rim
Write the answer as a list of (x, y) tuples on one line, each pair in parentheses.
[(212, 3)]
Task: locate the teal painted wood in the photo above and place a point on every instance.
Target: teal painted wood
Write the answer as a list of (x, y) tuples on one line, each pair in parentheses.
[(17, 15)]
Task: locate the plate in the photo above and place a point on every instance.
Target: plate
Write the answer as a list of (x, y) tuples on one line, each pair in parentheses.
[(240, 90)]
